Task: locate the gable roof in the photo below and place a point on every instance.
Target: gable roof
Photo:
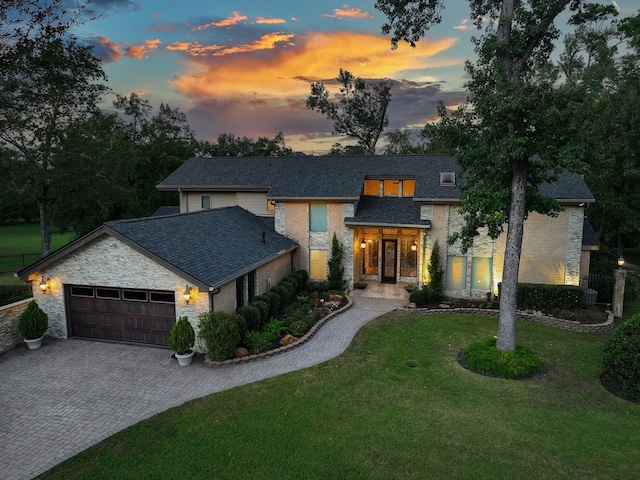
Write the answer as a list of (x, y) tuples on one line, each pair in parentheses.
[(339, 178), (387, 211), (207, 247)]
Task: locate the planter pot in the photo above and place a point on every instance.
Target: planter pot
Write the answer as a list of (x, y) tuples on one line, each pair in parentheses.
[(186, 359), (33, 343)]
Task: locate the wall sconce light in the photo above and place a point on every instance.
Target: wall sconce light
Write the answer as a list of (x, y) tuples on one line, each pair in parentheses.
[(363, 244), (414, 246), (187, 294), (44, 284), (620, 261)]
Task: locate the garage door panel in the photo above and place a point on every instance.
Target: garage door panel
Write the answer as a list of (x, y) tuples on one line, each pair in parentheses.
[(119, 319)]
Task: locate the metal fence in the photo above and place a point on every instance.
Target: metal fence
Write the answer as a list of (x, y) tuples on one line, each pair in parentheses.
[(15, 263), (598, 289)]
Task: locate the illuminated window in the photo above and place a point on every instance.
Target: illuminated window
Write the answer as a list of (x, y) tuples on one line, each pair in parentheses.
[(391, 188), (318, 264), (481, 272), (318, 217), (271, 205), (205, 201), (372, 187), (456, 271), (408, 187), (408, 258)]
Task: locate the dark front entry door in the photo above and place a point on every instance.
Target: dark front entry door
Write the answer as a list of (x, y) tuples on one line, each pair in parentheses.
[(389, 257)]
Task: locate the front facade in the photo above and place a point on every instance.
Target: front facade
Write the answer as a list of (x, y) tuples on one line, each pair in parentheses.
[(387, 212)]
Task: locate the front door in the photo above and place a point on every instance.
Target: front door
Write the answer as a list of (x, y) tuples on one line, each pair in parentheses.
[(389, 257)]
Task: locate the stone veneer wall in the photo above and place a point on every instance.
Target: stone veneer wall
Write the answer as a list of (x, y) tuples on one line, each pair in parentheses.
[(9, 315)]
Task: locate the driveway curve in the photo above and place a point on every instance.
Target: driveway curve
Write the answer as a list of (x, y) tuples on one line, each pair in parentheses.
[(70, 394)]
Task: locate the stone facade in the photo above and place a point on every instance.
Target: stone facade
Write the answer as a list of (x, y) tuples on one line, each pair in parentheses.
[(9, 315)]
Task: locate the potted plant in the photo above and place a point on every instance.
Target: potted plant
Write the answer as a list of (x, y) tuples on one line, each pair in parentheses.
[(32, 324), (361, 284), (181, 340)]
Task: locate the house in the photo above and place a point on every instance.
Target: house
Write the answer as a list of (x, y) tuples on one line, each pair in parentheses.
[(246, 222), (388, 211), (130, 280)]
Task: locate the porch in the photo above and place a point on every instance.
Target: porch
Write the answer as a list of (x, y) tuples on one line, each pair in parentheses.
[(391, 291)]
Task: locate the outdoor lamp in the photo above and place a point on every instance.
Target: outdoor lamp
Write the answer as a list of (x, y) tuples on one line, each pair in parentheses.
[(43, 284), (187, 294), (620, 261), (363, 244), (414, 246)]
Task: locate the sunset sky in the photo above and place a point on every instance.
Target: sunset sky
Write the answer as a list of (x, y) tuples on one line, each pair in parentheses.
[(245, 67)]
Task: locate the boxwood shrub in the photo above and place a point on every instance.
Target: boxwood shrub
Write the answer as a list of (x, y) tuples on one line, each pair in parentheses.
[(418, 297), (251, 315), (284, 293), (543, 297), (275, 303), (221, 334), (263, 307), (484, 357), (622, 356)]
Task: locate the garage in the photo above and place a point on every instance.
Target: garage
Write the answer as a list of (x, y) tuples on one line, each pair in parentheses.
[(121, 314)]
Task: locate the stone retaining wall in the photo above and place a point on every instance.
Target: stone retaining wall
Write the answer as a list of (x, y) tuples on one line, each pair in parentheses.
[(9, 315), (542, 319)]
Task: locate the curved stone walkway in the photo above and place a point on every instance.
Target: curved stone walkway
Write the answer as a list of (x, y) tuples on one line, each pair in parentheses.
[(70, 394)]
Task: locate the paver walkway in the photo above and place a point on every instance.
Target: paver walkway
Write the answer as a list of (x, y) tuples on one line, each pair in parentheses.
[(70, 394)]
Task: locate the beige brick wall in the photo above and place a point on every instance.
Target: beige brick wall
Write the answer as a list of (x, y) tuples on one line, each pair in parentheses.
[(295, 220), (9, 315), (275, 270)]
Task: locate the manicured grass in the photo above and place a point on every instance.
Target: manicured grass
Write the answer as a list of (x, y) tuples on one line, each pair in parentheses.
[(24, 238), (395, 405)]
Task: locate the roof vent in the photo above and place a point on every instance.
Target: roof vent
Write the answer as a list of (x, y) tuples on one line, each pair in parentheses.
[(447, 178)]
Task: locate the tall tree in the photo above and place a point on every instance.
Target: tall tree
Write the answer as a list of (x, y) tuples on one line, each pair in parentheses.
[(360, 111), (507, 137), (48, 85), (230, 145), (406, 141)]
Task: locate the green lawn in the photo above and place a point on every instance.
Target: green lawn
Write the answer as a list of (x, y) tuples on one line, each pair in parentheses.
[(23, 238), (395, 405)]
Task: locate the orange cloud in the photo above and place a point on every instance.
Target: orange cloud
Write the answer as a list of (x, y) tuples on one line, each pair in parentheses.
[(269, 21), (266, 42), (140, 52), (349, 12), (231, 20), (288, 66)]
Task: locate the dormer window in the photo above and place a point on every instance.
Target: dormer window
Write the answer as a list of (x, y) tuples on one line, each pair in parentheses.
[(447, 179), (393, 187)]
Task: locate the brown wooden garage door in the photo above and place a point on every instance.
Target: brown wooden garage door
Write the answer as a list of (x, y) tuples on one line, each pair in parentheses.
[(119, 314)]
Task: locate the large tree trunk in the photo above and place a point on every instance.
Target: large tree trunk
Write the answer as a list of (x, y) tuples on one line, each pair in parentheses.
[(507, 326), (46, 225)]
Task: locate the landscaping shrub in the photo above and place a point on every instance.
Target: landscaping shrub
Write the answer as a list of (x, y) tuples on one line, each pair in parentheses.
[(298, 328), (622, 356), (283, 292), (632, 287), (303, 276), (33, 321), (257, 342), (316, 286), (290, 287), (418, 297), (542, 297), (221, 334), (436, 271), (274, 328), (336, 270), (295, 281), (274, 303), (263, 307), (251, 315), (431, 295), (242, 326), (484, 357), (14, 293), (182, 337)]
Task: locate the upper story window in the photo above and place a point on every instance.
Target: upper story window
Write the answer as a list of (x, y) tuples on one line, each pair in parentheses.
[(390, 187), (317, 217), (205, 201), (448, 178), (271, 205)]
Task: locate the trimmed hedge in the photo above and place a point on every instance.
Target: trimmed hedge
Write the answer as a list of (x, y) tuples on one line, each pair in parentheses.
[(622, 356), (14, 293), (221, 334), (484, 357), (538, 296)]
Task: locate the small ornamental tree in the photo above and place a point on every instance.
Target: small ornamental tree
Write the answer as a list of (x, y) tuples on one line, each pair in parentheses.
[(336, 270), (33, 322), (436, 272), (182, 337)]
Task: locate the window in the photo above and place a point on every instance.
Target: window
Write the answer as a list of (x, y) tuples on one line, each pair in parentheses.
[(408, 258), (318, 264), (205, 200), (82, 291), (447, 178), (371, 257), (162, 297), (251, 280), (318, 217), (271, 205), (391, 188), (240, 292), (372, 187), (408, 188), (456, 271), (108, 293), (481, 273), (138, 295)]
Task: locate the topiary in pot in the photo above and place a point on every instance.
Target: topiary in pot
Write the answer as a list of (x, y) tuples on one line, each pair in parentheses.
[(181, 340), (33, 322)]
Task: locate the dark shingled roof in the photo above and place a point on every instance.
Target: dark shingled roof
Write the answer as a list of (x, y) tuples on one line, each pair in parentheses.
[(589, 235), (336, 177), (211, 246), (166, 210), (391, 211)]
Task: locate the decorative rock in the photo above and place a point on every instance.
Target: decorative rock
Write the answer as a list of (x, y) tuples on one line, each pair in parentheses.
[(241, 352), (335, 298), (444, 305), (412, 305), (288, 339)]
